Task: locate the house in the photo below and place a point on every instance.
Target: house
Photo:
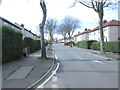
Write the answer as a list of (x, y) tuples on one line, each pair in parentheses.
[(6, 22), (25, 32), (111, 31), (82, 36)]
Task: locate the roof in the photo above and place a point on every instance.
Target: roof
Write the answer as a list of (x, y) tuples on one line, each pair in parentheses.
[(9, 22), (17, 26), (110, 23), (86, 31)]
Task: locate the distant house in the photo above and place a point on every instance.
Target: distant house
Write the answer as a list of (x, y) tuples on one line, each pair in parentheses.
[(61, 40), (110, 29), (25, 32), (82, 36), (6, 22)]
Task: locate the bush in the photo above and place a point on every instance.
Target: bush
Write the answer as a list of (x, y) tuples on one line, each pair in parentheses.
[(109, 46), (37, 44), (31, 44), (28, 43), (95, 46), (11, 43), (112, 47), (85, 44)]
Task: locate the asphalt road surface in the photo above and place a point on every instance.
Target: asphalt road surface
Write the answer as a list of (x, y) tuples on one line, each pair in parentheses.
[(82, 69)]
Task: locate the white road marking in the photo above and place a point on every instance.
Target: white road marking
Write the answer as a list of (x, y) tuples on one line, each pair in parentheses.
[(78, 57), (98, 62), (49, 77), (97, 56), (54, 78), (103, 57), (53, 72), (54, 86), (56, 57)]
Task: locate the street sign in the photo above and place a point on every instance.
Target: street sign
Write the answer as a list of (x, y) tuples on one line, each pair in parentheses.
[(49, 38)]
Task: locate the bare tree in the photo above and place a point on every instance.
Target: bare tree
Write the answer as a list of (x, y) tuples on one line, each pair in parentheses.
[(43, 49), (98, 6), (71, 24), (50, 26), (63, 31)]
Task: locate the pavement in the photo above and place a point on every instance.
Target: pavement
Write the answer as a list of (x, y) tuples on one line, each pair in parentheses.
[(26, 71)]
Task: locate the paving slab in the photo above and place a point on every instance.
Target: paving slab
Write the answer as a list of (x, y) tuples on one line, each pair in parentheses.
[(21, 73)]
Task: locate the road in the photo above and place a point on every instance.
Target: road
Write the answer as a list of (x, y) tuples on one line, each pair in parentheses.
[(82, 69)]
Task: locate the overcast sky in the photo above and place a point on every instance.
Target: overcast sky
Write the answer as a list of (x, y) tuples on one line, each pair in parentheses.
[(29, 13)]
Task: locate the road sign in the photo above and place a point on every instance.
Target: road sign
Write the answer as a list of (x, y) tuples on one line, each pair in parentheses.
[(49, 38)]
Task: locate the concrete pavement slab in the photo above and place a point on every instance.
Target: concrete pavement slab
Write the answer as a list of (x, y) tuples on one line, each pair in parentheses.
[(21, 73)]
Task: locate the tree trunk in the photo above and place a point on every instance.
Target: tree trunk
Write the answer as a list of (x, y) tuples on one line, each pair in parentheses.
[(43, 48), (70, 42), (102, 46), (64, 41)]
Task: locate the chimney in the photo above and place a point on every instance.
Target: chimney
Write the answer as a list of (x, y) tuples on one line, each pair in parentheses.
[(104, 21), (85, 29), (79, 32), (22, 25)]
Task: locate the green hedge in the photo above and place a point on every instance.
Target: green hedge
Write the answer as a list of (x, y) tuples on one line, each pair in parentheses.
[(37, 45), (28, 43), (85, 44), (95, 46), (11, 43), (109, 46), (31, 44)]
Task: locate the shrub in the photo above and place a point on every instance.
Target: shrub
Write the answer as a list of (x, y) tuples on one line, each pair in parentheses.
[(112, 47), (109, 46), (28, 43), (95, 46), (11, 43), (31, 44), (37, 44), (85, 44)]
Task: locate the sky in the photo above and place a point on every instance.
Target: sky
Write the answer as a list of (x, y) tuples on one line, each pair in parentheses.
[(29, 13)]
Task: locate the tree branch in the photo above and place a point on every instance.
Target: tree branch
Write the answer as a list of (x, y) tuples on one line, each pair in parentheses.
[(84, 4), (80, 3)]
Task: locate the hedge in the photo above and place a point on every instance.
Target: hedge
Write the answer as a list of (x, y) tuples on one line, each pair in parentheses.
[(11, 43), (95, 46), (37, 45), (109, 46), (31, 44), (85, 44)]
